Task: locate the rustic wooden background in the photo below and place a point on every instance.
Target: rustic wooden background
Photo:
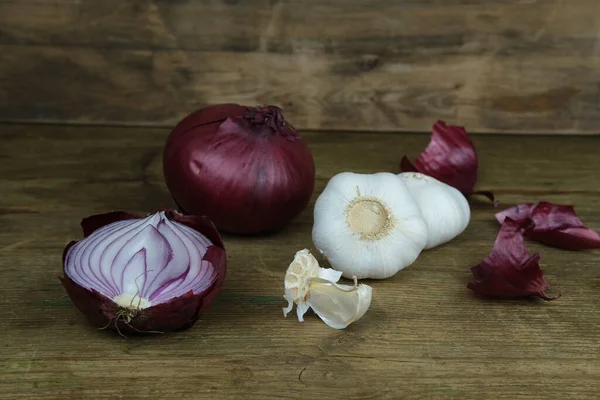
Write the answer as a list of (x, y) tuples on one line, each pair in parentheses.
[(525, 66), (73, 73)]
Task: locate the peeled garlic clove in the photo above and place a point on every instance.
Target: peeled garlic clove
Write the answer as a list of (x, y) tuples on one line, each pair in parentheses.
[(444, 208), (339, 305), (368, 225), (309, 286)]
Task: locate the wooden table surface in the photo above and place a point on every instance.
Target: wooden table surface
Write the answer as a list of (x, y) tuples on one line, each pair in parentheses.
[(425, 336)]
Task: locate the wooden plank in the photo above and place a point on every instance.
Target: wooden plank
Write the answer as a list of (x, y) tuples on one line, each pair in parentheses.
[(424, 336), (512, 66), (85, 85), (347, 27)]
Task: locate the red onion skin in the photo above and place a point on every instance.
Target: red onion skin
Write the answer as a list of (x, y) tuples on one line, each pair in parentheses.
[(214, 114), (555, 225), (509, 271), (246, 177), (176, 314), (449, 157)]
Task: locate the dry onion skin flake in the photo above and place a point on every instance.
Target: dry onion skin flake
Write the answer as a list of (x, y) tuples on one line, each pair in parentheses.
[(450, 157), (555, 225), (510, 271), (368, 226), (311, 287)]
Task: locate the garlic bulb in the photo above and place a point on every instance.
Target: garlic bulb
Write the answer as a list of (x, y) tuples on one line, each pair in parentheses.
[(443, 207), (368, 225), (309, 286)]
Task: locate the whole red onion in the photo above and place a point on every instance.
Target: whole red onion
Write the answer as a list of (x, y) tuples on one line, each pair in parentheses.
[(144, 274), (245, 168)]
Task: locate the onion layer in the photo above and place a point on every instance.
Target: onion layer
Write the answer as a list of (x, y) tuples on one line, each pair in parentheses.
[(144, 274), (245, 168), (509, 271)]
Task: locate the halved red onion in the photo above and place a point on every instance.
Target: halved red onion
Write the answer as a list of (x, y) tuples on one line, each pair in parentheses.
[(145, 274)]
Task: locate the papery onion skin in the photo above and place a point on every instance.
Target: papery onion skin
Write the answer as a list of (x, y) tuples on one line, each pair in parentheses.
[(176, 314), (555, 225), (450, 157), (509, 271), (246, 168)]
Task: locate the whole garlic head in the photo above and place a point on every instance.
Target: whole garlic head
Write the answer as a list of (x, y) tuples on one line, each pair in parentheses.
[(309, 286), (443, 207), (368, 225)]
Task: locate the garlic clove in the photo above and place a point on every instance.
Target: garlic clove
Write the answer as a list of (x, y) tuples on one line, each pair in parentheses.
[(368, 225), (339, 305), (444, 208), (309, 286)]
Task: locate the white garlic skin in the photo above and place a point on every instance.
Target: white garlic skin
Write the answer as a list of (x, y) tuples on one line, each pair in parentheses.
[(444, 208), (354, 254)]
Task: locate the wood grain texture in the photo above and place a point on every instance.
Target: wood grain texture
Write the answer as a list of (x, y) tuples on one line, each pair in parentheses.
[(516, 66), (424, 337)]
